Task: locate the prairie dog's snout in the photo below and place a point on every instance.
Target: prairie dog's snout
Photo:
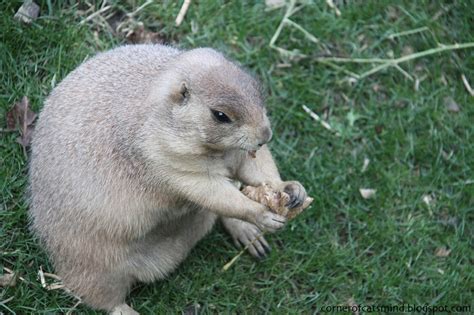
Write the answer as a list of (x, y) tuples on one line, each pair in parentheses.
[(265, 135)]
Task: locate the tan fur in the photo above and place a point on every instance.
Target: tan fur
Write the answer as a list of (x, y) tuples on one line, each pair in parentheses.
[(129, 168)]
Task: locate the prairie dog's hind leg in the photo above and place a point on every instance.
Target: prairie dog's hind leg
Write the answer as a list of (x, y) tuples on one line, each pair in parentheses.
[(100, 289), (164, 248), (244, 233)]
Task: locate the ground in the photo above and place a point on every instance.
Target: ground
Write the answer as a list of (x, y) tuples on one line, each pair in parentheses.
[(410, 243)]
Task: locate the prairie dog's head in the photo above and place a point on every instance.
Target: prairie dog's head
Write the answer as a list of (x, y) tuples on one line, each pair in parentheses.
[(214, 103)]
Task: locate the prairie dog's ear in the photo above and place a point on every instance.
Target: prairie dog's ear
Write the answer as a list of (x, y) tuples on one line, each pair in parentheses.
[(180, 94)]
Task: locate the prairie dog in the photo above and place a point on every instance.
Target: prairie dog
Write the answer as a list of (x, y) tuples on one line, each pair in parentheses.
[(132, 162)]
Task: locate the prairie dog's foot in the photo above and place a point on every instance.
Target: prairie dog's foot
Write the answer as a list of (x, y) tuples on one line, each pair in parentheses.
[(296, 192), (123, 309), (244, 233)]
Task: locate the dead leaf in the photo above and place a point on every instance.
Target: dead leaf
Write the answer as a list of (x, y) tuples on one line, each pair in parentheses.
[(407, 50), (447, 220), (428, 200), (20, 117), (443, 79), (420, 67), (392, 13), (376, 87), (401, 103), (353, 305), (451, 104), (20, 114), (365, 165), (442, 252), (25, 138), (28, 12), (11, 120), (140, 35), (378, 129), (367, 193), (192, 309), (8, 280)]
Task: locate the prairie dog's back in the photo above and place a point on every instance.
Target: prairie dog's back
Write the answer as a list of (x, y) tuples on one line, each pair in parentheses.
[(90, 136), (102, 88), (104, 95)]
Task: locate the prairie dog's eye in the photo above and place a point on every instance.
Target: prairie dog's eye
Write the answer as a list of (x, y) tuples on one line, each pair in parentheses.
[(220, 116)]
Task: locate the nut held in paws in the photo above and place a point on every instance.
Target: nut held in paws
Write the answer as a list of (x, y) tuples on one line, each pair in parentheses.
[(275, 200)]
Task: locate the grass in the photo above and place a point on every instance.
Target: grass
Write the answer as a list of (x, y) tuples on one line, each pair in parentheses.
[(375, 251)]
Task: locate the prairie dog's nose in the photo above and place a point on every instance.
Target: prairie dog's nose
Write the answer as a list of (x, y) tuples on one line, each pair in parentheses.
[(265, 136)]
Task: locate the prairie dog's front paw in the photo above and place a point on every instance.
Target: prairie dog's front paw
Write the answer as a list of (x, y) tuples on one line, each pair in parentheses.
[(269, 221), (296, 192)]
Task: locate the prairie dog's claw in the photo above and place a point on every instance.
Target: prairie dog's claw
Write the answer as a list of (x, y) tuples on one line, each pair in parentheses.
[(296, 192)]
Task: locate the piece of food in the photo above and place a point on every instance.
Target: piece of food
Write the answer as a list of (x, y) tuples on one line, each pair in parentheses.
[(275, 200)]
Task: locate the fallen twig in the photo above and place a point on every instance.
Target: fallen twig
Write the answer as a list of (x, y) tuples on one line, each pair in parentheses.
[(6, 300), (318, 119), (406, 74), (288, 13), (132, 14), (352, 60), (394, 62), (409, 32), (52, 276), (383, 62), (41, 276), (93, 15), (233, 260), (55, 286), (4, 304), (350, 73), (70, 312), (331, 4), (467, 85), (310, 36), (290, 10), (182, 12)]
